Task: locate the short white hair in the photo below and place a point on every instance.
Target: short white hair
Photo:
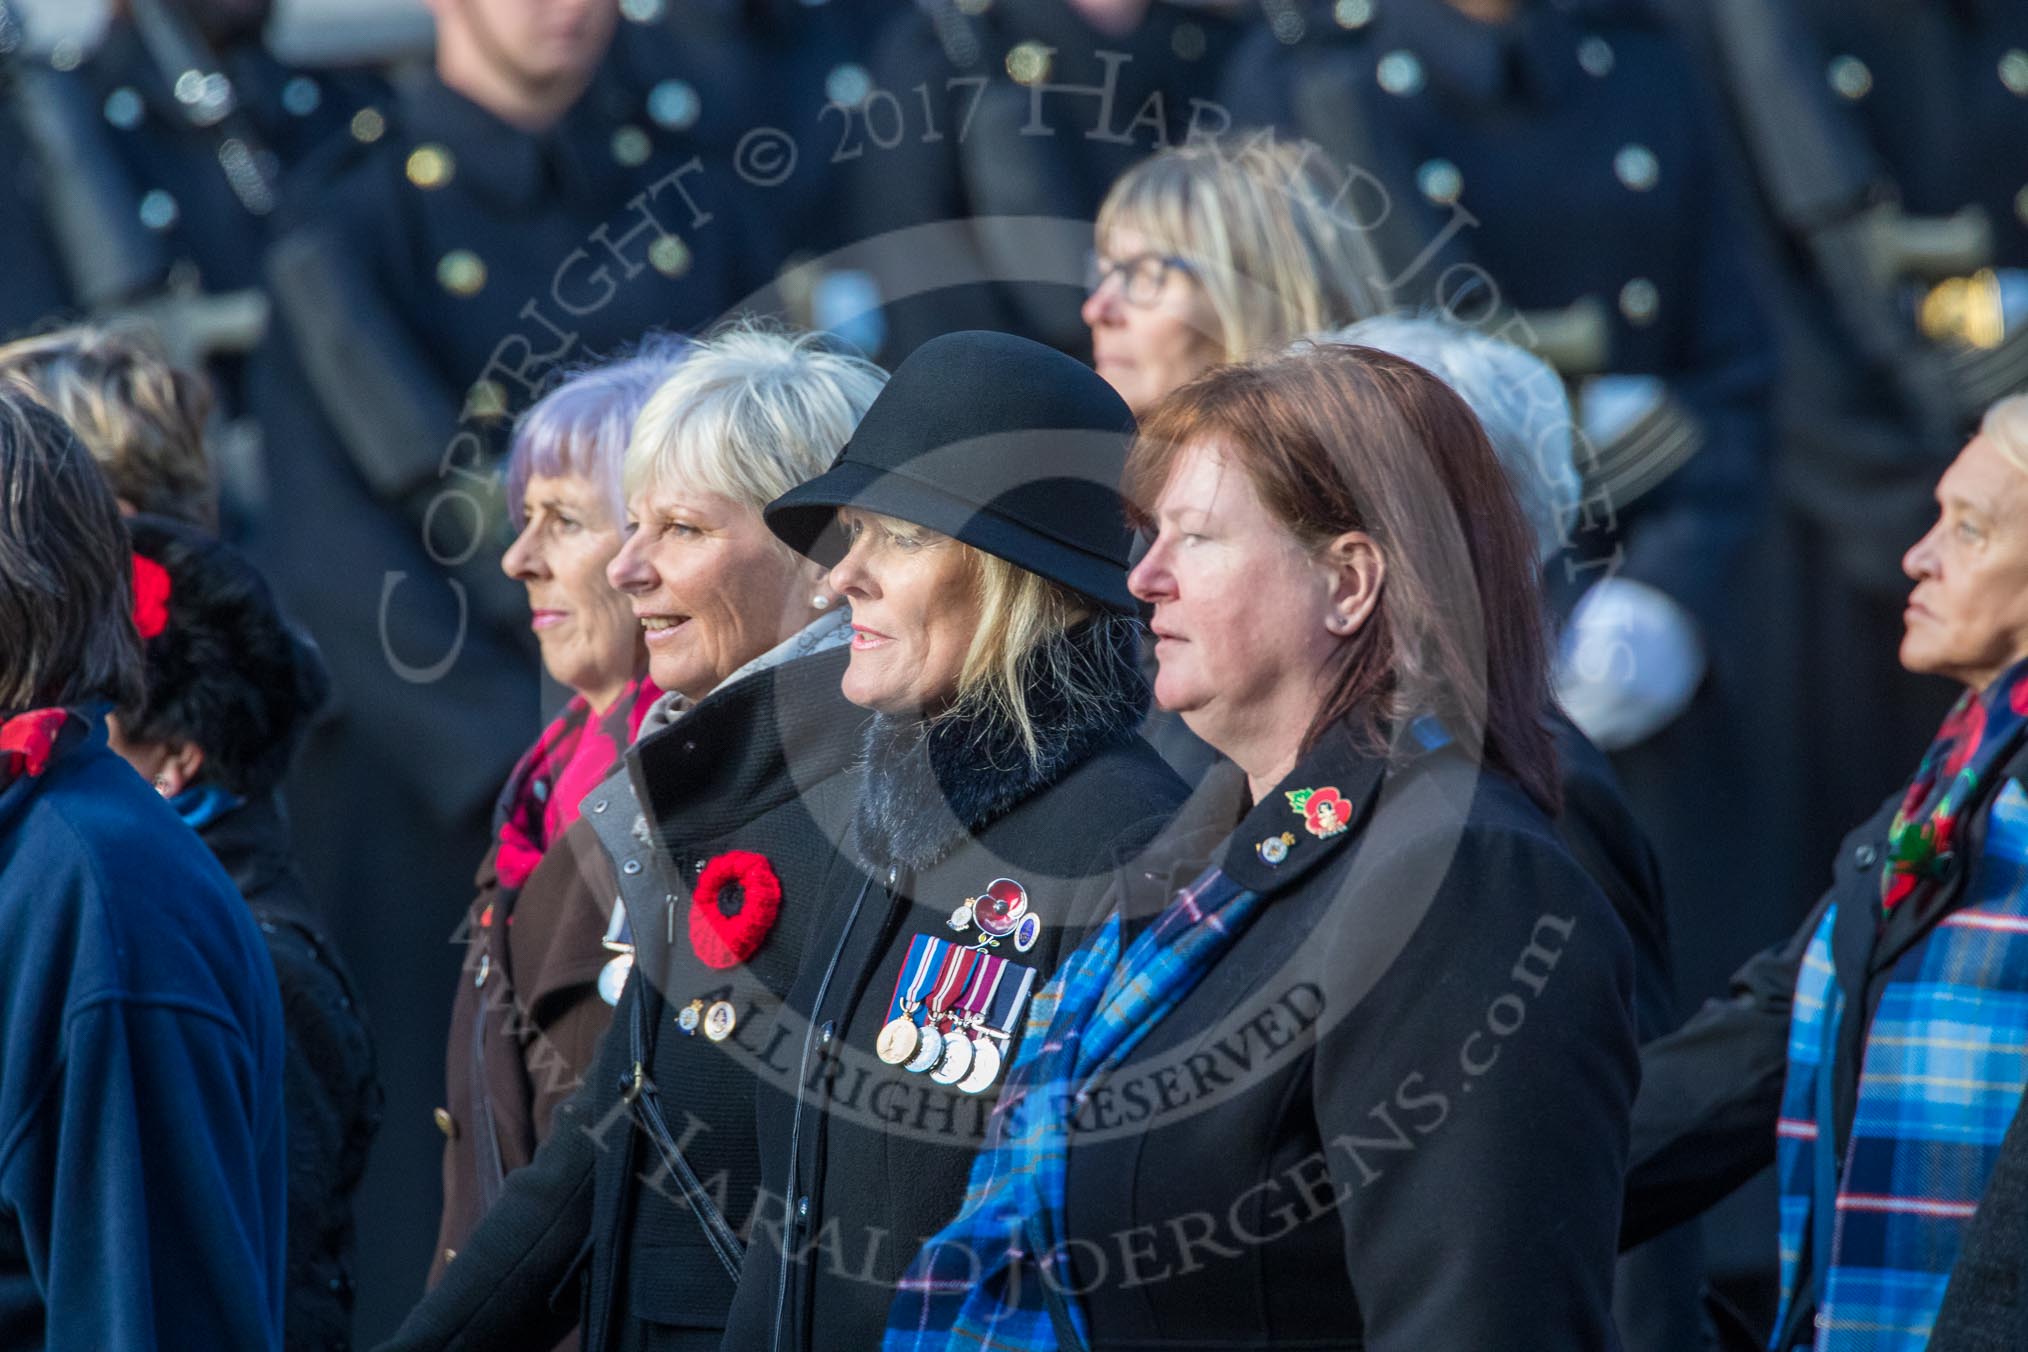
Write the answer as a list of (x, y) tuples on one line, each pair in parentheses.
[(751, 413), (2007, 424), (1518, 398)]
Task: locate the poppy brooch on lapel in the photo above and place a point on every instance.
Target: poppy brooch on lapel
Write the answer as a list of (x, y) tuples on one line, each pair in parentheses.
[(1324, 811), (737, 901)]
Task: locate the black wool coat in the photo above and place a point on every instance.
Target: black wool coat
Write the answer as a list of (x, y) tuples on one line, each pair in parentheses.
[(865, 1159), (330, 1092), (598, 1227), (1393, 1114)]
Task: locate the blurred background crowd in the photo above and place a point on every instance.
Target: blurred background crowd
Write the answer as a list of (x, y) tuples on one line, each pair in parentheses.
[(1777, 250)]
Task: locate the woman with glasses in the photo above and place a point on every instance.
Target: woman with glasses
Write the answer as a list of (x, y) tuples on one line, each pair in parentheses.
[(1215, 252)]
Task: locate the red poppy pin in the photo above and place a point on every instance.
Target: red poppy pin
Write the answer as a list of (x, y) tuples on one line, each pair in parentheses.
[(151, 596), (1324, 811), (737, 900), (26, 741)]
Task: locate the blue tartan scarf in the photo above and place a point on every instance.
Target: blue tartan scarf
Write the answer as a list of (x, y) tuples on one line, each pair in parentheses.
[(979, 1282), (1942, 1074)]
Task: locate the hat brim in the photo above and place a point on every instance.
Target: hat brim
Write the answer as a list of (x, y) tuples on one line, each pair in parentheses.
[(805, 519)]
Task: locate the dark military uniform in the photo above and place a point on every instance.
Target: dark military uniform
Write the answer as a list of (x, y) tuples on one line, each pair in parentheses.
[(1566, 158), (141, 186), (990, 135), (442, 263)]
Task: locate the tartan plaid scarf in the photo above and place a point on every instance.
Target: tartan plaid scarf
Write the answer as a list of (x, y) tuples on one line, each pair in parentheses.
[(979, 1282), (1940, 1080)]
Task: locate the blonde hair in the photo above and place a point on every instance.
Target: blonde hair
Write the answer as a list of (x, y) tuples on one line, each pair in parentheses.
[(141, 418), (1254, 219), (2007, 424), (752, 412)]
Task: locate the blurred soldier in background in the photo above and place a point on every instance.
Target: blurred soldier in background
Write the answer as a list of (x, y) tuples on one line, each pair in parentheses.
[(147, 175), (1550, 171), (507, 218), (982, 114)]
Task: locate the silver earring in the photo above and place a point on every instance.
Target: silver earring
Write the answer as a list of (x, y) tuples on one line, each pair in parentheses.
[(821, 601), (162, 785)]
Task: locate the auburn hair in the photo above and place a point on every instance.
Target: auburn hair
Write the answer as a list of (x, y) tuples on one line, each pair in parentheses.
[(1337, 438)]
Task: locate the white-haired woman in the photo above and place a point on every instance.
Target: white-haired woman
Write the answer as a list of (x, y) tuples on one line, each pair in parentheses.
[(527, 1013), (712, 829), (1220, 251)]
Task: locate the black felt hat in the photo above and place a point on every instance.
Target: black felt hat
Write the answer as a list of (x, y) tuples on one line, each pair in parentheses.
[(1002, 443)]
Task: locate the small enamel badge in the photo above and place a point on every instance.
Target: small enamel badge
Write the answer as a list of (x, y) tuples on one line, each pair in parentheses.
[(1324, 812), (688, 1017), (1276, 848)]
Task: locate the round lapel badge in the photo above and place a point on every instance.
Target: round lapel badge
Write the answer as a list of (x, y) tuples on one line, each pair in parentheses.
[(720, 1020), (1026, 931)]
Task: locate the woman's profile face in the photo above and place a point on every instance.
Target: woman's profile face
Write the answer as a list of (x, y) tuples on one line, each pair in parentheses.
[(1241, 607), (589, 640), (1967, 616), (710, 587), (1152, 327), (915, 607)]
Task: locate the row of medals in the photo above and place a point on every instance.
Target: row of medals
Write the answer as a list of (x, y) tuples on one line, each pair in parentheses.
[(968, 1056)]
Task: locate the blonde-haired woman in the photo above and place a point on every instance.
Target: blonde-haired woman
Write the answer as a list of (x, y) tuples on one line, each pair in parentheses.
[(975, 526), (1217, 251), (141, 416), (712, 831)]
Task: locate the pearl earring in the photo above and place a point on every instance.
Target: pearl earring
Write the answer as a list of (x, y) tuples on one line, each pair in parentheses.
[(821, 601), (162, 785)]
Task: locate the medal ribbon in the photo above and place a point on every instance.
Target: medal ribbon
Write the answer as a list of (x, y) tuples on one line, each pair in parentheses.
[(956, 966), (978, 991), (922, 952)]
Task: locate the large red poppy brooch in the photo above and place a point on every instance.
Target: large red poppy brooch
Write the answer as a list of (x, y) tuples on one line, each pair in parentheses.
[(737, 901)]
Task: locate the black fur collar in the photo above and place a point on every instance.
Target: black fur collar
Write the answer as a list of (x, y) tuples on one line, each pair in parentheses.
[(929, 785)]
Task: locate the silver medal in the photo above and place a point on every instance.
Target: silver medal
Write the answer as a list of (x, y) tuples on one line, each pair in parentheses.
[(956, 1061), (985, 1067), (927, 1050)]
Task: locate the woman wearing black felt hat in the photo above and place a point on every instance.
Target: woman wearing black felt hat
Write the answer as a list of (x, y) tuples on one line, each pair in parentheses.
[(974, 526)]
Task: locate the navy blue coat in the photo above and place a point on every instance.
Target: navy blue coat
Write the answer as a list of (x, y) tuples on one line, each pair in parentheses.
[(142, 1155)]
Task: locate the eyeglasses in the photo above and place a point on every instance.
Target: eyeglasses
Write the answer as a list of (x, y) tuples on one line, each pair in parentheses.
[(1142, 275)]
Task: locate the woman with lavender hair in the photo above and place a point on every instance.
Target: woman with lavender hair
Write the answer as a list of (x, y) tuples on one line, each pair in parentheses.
[(528, 1012)]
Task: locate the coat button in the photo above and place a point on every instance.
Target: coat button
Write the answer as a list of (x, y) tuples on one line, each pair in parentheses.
[(449, 1255), (827, 1032), (803, 1207), (1865, 856), (446, 1124)]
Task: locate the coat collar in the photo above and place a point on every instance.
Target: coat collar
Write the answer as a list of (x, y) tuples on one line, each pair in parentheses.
[(1220, 824), (931, 785), (748, 748)]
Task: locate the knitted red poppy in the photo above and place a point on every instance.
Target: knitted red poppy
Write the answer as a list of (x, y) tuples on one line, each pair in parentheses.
[(737, 900), (151, 596)]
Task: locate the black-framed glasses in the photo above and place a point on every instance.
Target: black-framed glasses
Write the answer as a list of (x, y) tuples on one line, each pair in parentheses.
[(1142, 275)]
